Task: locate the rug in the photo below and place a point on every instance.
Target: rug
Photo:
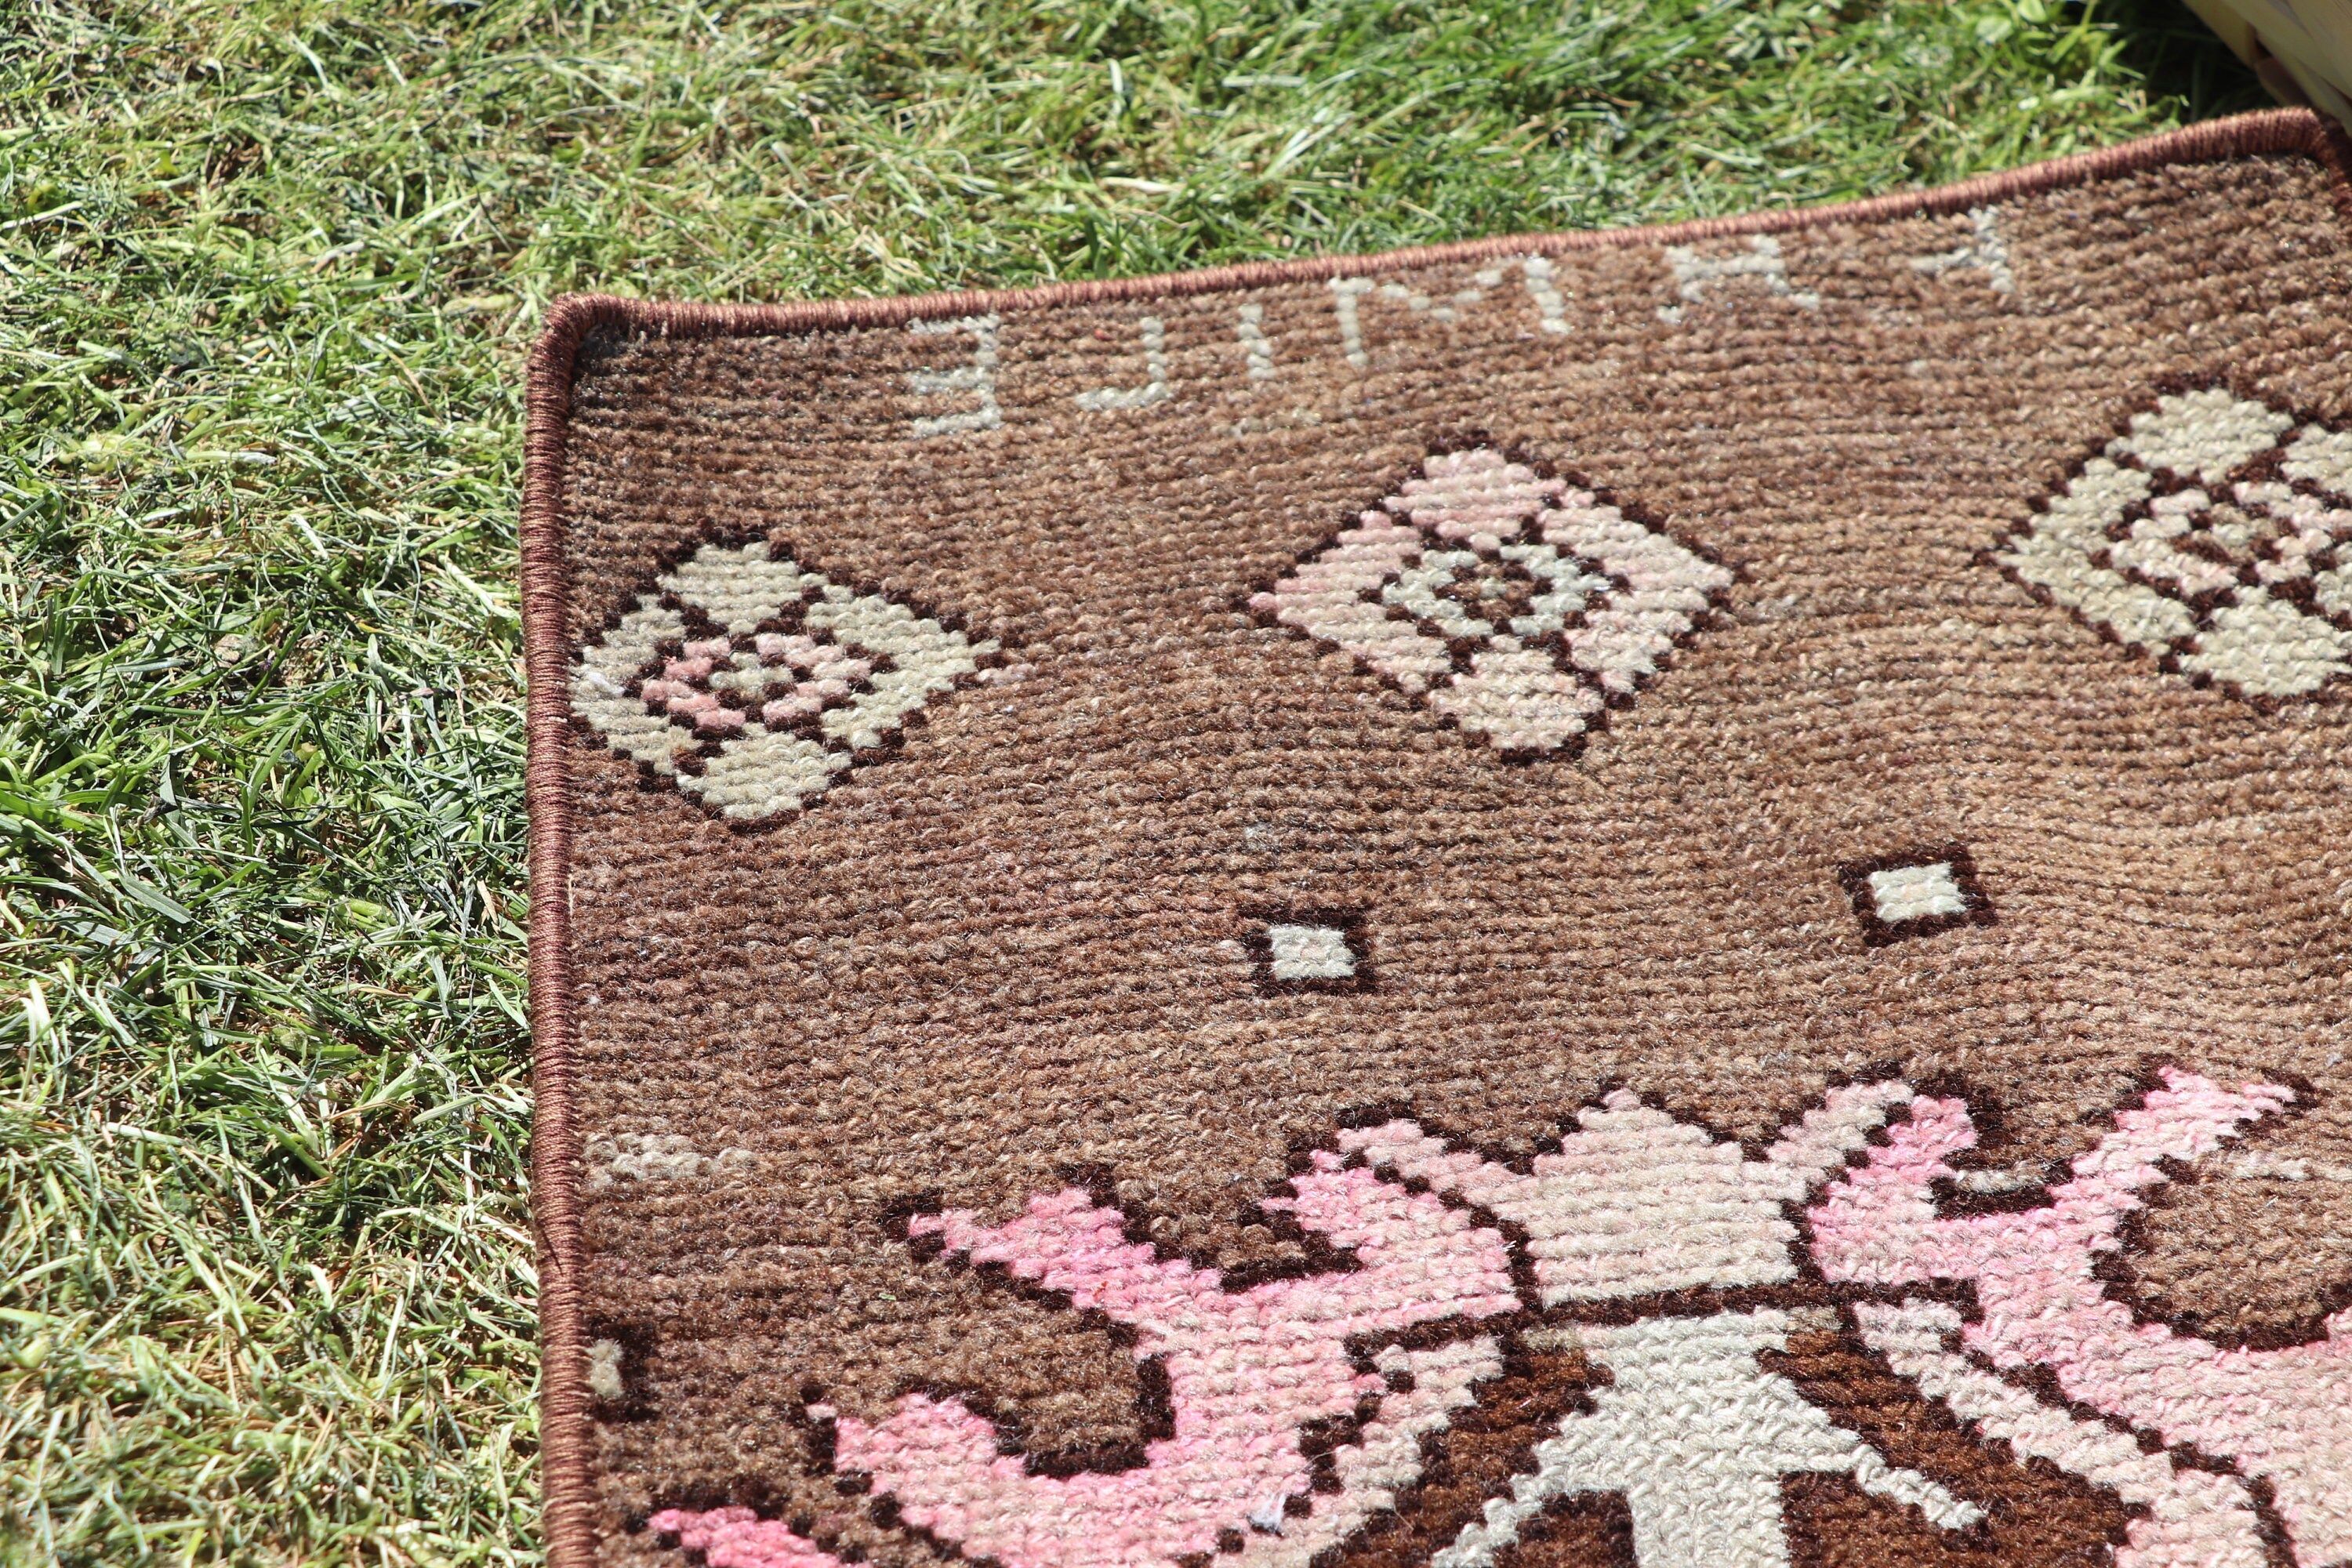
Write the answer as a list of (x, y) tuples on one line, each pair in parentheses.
[(1671, 899)]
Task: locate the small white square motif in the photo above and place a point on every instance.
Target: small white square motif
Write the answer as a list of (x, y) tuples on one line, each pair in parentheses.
[(1916, 892), (1308, 953)]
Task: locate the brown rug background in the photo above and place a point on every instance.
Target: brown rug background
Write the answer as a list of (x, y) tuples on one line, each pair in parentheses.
[(1017, 945)]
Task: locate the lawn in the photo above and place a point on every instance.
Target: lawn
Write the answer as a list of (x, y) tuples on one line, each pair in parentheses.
[(267, 274)]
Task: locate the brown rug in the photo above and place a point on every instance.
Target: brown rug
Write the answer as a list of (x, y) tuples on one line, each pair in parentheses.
[(1675, 899)]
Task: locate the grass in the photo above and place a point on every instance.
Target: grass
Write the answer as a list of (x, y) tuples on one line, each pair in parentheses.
[(268, 270)]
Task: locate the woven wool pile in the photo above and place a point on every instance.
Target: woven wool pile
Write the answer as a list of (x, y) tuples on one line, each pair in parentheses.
[(1675, 899)]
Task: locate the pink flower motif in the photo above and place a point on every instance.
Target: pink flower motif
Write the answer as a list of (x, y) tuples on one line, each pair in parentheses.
[(2280, 1415), (1248, 1372), (738, 1538), (1631, 1204)]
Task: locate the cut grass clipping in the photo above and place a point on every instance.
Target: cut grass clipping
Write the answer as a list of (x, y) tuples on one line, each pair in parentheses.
[(267, 275)]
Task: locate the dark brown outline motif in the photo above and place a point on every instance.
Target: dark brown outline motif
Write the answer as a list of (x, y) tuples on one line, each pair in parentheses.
[(572, 1507)]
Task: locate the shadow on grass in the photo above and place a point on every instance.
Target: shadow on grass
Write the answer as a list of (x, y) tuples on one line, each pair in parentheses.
[(2179, 55)]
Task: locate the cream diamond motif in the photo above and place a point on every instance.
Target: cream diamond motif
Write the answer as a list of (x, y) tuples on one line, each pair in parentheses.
[(752, 683), (1516, 605), (2211, 534)]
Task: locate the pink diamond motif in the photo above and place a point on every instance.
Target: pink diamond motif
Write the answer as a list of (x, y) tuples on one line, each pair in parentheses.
[(752, 683), (1516, 605), (2214, 532)]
